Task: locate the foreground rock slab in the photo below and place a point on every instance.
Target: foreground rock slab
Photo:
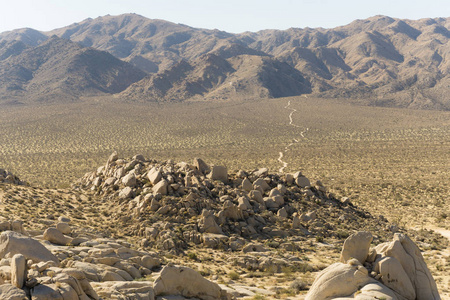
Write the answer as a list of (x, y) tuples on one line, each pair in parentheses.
[(12, 243), (187, 282), (393, 271)]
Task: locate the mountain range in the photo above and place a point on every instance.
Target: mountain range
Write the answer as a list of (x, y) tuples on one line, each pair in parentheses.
[(380, 60)]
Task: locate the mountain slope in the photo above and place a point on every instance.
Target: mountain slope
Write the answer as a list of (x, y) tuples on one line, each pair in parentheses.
[(382, 60), (396, 62), (62, 69), (144, 42), (214, 77)]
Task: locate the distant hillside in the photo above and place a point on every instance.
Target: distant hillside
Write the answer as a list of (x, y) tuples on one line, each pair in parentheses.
[(214, 77), (60, 69), (150, 44), (382, 60)]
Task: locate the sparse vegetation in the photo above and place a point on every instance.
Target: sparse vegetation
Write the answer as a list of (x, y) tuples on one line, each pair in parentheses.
[(398, 169)]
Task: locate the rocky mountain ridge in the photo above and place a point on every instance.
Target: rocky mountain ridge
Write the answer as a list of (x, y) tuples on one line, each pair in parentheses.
[(58, 68), (385, 61)]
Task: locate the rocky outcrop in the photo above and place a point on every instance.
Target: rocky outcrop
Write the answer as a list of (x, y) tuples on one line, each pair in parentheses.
[(393, 270), (187, 282), (217, 206), (8, 177), (356, 246), (96, 268)]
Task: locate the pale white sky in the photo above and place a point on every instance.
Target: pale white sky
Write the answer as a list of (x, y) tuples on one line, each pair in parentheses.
[(231, 15)]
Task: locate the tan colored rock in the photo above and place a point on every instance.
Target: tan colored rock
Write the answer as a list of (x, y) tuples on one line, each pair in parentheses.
[(339, 280), (262, 183), (18, 270), (269, 202), (257, 196), (356, 246), (213, 240), (247, 185), (129, 180), (71, 281), (282, 213), (112, 158), (219, 173), (5, 225), (160, 188), (10, 292), (309, 216), (200, 165), (126, 193), (208, 223), (82, 281), (147, 261), (261, 172), (302, 181), (17, 226), (55, 236), (154, 205), (67, 291), (278, 200), (187, 283), (289, 179), (163, 210), (12, 243), (424, 283), (132, 290), (129, 268), (394, 277), (375, 291), (64, 228), (244, 204), (254, 248), (296, 221), (396, 250), (154, 175), (232, 211)]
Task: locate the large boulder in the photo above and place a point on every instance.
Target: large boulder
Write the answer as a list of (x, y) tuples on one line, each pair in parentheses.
[(398, 265), (160, 187), (129, 180), (356, 246), (55, 236), (219, 173), (375, 291), (339, 280), (12, 243), (247, 185), (154, 175), (125, 290), (395, 277), (10, 292), (18, 270), (302, 181), (208, 223), (187, 283), (64, 228), (46, 291), (200, 165), (422, 280)]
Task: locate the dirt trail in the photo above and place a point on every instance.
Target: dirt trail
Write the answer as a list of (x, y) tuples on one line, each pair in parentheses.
[(295, 141), (444, 232)]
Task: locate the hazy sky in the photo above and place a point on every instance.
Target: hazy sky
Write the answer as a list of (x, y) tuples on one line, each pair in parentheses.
[(231, 15)]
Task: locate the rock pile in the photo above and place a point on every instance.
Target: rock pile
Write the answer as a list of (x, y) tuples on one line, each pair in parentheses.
[(80, 266), (174, 205), (392, 271), (8, 177)]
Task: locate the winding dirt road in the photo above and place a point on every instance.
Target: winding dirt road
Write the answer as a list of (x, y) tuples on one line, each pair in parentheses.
[(295, 141)]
